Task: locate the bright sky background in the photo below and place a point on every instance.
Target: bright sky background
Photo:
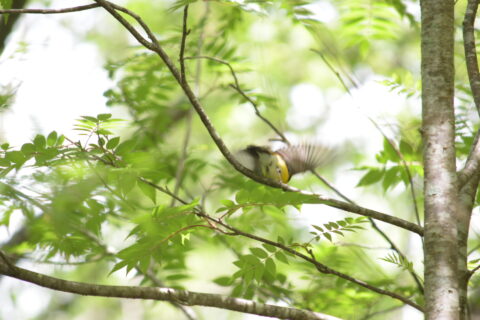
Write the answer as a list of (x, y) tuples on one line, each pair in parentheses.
[(57, 66)]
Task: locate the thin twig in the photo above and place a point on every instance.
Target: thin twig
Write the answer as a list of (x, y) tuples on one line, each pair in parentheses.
[(376, 313), (164, 190), (331, 186), (470, 274), (179, 175), (393, 246), (237, 88), (185, 33), (319, 266), (470, 51), (49, 11), (404, 164), (400, 155), (334, 71), (471, 59)]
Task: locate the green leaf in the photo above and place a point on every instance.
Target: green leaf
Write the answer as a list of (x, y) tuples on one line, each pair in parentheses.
[(223, 281), (269, 247), (258, 272), (405, 148), (60, 140), (390, 151), (6, 4), (118, 266), (5, 217), (270, 266), (227, 203), (91, 119), (28, 149), (248, 276), (15, 156), (52, 138), (125, 147), (328, 236), (391, 178), (5, 146), (148, 190), (4, 162), (259, 252), (127, 181), (341, 223), (105, 132), (104, 116), (237, 290), (281, 257), (40, 142), (112, 143), (372, 176)]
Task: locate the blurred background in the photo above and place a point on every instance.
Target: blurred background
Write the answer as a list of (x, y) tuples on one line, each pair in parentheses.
[(343, 73)]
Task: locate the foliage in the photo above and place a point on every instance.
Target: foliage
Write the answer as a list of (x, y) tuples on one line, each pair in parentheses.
[(149, 195)]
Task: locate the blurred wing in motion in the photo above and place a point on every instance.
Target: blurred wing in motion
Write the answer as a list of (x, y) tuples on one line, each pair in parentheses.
[(305, 157)]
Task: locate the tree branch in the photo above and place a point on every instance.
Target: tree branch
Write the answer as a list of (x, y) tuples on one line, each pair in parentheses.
[(49, 11), (470, 50), (473, 271), (319, 266), (154, 46), (471, 59), (187, 298), (236, 87), (353, 208), (405, 166), (187, 311), (185, 33)]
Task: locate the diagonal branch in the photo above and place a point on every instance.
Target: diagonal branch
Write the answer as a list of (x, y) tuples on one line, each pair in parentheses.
[(470, 50), (154, 46), (473, 162), (319, 266), (187, 298), (236, 86), (393, 246)]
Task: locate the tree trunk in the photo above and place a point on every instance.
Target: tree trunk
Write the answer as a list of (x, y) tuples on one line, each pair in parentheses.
[(441, 193)]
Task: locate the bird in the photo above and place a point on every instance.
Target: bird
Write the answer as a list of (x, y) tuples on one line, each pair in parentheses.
[(280, 165)]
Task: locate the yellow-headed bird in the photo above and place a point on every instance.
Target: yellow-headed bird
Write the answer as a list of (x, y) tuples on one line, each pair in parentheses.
[(282, 164)]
